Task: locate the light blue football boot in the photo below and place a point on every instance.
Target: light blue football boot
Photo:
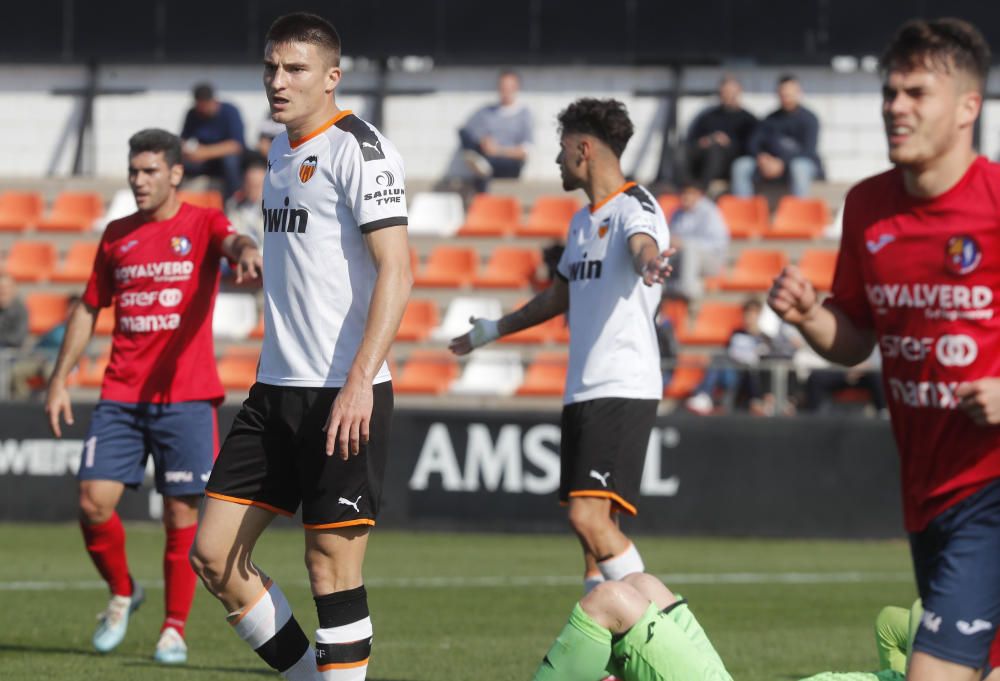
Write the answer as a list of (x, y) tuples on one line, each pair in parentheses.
[(171, 649), (114, 619)]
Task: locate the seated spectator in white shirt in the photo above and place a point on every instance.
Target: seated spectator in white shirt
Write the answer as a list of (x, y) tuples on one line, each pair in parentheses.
[(699, 233)]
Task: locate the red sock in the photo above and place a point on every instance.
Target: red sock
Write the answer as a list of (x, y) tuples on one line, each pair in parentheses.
[(179, 579), (105, 543)]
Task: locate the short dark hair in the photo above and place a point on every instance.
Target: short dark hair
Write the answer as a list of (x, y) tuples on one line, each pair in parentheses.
[(303, 27), (252, 159), (787, 78), (752, 304), (203, 92), (605, 119), (155, 139), (693, 183), (946, 43)]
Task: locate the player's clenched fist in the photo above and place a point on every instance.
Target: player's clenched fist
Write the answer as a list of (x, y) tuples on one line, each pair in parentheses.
[(792, 297), (981, 400)]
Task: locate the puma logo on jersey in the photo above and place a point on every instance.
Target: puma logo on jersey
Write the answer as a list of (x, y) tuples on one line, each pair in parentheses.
[(974, 628), (883, 241), (348, 502), (370, 151), (602, 478), (585, 269), (285, 219)]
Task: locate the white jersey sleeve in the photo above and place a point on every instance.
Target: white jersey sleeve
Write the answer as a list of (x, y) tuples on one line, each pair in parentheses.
[(372, 176)]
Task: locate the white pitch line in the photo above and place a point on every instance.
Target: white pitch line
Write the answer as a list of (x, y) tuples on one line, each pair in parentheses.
[(750, 578)]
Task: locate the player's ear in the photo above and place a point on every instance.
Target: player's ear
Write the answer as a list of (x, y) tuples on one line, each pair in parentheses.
[(332, 78), (176, 175), (969, 105)]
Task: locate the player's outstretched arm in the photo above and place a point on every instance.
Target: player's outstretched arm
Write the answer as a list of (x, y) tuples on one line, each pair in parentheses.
[(829, 331), (243, 250), (549, 303), (79, 329), (650, 263), (347, 427)]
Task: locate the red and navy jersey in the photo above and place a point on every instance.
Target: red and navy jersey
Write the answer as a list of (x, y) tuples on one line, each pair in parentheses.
[(162, 278), (925, 275)]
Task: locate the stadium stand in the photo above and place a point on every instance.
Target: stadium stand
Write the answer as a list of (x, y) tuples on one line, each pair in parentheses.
[(428, 372), (448, 267), (45, 310), (688, 373), (238, 368), (208, 198), (546, 375), (73, 212), (77, 264), (30, 260), (549, 217), (798, 218), (439, 214), (754, 270), (490, 372), (747, 217), (817, 266), (668, 203), (91, 371), (714, 324), (456, 317), (419, 318), (492, 215), (508, 267), (20, 210), (235, 316)]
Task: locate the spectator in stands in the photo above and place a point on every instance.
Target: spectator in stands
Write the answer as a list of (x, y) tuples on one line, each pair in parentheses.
[(782, 147), (268, 131), (29, 374), (243, 207), (719, 135), (496, 139), (823, 383), (738, 373), (700, 235), (13, 315), (213, 139)]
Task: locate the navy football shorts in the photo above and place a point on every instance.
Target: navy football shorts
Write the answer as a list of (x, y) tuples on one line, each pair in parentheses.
[(182, 439), (957, 563)]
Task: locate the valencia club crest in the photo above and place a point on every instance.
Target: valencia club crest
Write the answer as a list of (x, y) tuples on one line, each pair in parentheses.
[(307, 169)]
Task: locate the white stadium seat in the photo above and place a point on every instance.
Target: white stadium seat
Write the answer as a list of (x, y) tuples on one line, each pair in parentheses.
[(436, 214), (490, 372), (235, 315), (456, 318)]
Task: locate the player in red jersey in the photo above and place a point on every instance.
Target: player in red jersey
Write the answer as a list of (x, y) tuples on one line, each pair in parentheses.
[(160, 267), (917, 273)]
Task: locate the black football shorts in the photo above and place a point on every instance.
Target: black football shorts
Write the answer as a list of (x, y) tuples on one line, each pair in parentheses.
[(275, 457), (603, 449)]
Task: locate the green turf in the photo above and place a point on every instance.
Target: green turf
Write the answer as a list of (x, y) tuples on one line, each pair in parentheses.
[(478, 630)]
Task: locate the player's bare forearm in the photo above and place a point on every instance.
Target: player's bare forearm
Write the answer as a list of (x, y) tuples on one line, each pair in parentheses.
[(550, 303), (835, 337), (391, 252), (649, 262), (79, 329)]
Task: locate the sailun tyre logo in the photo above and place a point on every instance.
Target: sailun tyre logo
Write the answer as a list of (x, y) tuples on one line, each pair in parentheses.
[(307, 169), (962, 255), (180, 245), (385, 179)]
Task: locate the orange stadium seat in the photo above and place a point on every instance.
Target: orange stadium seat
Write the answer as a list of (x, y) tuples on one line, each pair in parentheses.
[(20, 210), (31, 260), (91, 371), (746, 217), (677, 312), (238, 368), (754, 270), (798, 218), (73, 212), (209, 198), (427, 372), (668, 204), (817, 266), (491, 215), (448, 267), (688, 373), (714, 324), (78, 264), (105, 325), (546, 376), (549, 217), (257, 332), (508, 268), (45, 310), (419, 318)]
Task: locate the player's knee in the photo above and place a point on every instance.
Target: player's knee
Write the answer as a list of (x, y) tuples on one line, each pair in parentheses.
[(92, 509), (209, 563), (651, 588), (602, 600), (585, 519)]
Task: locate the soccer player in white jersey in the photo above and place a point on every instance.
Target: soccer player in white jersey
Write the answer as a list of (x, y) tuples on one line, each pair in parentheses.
[(315, 429), (610, 281)]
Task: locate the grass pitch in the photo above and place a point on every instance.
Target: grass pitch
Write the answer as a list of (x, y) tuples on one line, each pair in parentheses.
[(459, 606)]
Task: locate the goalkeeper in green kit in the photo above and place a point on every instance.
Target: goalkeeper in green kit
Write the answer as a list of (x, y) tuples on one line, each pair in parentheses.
[(636, 630)]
